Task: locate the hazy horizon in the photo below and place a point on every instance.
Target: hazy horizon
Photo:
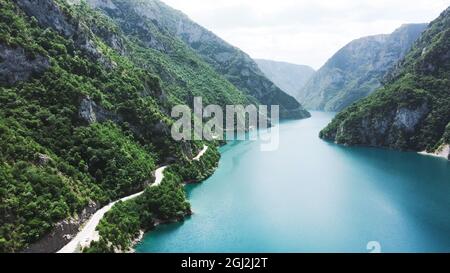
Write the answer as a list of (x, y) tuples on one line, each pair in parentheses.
[(303, 32)]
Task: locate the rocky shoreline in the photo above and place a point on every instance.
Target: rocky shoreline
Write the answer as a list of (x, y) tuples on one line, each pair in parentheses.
[(142, 233), (443, 152)]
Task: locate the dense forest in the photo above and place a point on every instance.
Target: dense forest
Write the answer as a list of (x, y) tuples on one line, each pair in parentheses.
[(412, 111), (121, 225), (86, 91), (84, 118), (165, 203), (53, 161)]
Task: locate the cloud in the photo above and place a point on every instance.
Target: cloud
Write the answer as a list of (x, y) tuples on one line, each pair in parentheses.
[(304, 31)]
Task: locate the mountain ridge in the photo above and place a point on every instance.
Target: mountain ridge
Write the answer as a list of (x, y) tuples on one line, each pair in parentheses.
[(288, 76), (236, 66), (357, 69), (411, 112)]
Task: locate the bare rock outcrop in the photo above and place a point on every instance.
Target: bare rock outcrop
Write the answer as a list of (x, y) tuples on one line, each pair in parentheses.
[(16, 65), (62, 232), (90, 112)]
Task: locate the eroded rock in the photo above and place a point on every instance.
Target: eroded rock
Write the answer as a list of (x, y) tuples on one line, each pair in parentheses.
[(16, 66), (407, 119), (91, 112), (43, 159), (62, 232)]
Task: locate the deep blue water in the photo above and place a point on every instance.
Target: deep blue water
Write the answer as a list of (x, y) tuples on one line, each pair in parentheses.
[(314, 196)]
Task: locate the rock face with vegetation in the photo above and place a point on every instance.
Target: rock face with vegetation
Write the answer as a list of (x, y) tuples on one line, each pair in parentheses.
[(358, 69), (171, 33), (289, 77), (412, 111), (84, 118)]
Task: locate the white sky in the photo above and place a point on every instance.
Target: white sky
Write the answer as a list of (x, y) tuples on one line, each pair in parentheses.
[(304, 31)]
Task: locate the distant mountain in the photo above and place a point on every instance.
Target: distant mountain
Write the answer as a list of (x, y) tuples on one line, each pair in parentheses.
[(289, 77), (152, 21), (357, 69), (412, 111)]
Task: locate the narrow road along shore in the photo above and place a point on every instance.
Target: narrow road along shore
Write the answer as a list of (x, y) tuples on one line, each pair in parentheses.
[(159, 176), (89, 233), (202, 152)]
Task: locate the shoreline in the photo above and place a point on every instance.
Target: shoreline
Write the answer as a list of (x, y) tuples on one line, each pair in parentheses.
[(89, 233), (141, 237), (441, 152), (142, 233)]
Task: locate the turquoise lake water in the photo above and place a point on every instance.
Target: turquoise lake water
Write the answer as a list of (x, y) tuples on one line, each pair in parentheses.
[(314, 196)]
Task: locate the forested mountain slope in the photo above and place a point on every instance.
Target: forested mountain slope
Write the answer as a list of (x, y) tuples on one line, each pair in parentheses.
[(412, 112), (156, 25), (84, 118), (357, 69)]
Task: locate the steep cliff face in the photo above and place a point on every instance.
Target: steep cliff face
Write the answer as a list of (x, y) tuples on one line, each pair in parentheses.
[(412, 111), (62, 232), (155, 24), (358, 69), (289, 77), (16, 66), (49, 14)]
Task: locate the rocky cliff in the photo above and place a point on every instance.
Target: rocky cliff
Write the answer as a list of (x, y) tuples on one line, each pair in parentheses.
[(16, 66), (62, 232), (358, 69), (412, 112)]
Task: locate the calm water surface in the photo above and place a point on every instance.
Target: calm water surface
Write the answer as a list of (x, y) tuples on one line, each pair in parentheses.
[(314, 196)]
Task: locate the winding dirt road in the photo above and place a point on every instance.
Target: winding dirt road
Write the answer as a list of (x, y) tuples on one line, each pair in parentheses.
[(89, 233)]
